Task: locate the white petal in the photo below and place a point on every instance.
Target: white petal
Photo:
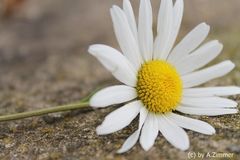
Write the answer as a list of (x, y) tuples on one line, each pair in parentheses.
[(211, 91), (190, 42), (173, 133), (177, 20), (149, 132), (132, 140), (177, 14), (206, 111), (166, 8), (199, 58), (165, 27), (128, 10), (119, 118), (208, 102), (145, 33), (204, 75), (143, 116), (113, 95), (125, 37), (115, 62), (192, 124)]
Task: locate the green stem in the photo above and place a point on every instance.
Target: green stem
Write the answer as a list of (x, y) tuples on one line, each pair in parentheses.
[(44, 111)]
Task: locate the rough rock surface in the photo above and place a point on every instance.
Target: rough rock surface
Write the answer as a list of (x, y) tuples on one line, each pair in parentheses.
[(44, 62)]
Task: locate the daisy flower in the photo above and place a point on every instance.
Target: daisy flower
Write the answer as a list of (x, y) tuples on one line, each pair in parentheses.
[(160, 80)]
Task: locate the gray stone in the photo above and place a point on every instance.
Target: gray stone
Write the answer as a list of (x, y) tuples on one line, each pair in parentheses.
[(44, 62)]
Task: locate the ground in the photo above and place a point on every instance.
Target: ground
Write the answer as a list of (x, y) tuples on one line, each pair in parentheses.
[(44, 62)]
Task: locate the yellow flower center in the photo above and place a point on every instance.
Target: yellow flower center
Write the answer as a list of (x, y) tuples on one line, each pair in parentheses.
[(159, 86)]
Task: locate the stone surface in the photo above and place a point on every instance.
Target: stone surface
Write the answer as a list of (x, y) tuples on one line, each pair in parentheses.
[(44, 62)]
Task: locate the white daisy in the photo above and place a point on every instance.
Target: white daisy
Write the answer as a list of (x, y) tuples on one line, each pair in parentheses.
[(159, 79)]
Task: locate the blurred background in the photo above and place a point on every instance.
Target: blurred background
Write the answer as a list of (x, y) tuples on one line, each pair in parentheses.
[(44, 62)]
